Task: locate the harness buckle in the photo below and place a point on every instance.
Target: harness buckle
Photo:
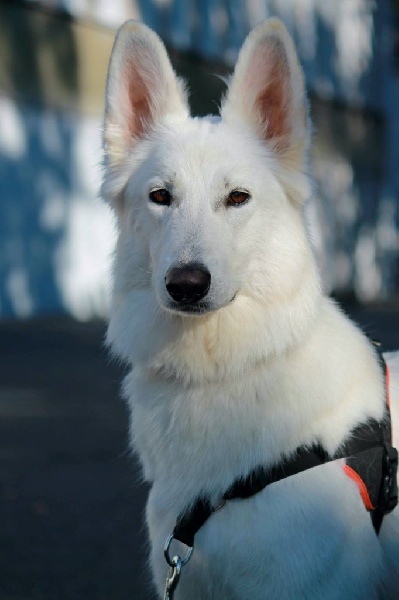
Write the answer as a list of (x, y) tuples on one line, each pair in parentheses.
[(389, 490)]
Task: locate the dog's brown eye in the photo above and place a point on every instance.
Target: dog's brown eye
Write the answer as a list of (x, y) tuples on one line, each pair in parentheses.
[(237, 197), (160, 197)]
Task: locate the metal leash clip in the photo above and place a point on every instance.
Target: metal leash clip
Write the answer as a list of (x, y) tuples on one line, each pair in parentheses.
[(175, 565)]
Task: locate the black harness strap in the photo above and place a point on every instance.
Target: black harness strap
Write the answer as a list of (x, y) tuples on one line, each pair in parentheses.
[(368, 451)]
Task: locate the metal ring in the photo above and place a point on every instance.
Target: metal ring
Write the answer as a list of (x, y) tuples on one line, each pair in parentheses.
[(172, 561)]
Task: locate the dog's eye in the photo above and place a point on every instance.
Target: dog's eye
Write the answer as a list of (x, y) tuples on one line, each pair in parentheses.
[(161, 196), (237, 197)]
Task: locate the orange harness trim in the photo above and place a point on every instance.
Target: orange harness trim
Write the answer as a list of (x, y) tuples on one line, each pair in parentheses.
[(361, 485), (388, 391)]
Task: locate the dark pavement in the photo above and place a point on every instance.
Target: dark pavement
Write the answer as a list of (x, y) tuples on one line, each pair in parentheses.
[(71, 504), (71, 508)]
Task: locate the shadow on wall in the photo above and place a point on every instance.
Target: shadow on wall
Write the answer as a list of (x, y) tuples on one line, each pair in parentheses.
[(35, 162), (214, 29)]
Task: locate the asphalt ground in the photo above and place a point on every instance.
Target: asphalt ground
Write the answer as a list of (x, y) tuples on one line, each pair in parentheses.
[(71, 501)]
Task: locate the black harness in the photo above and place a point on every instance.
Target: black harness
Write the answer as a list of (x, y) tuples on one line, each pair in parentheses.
[(370, 459)]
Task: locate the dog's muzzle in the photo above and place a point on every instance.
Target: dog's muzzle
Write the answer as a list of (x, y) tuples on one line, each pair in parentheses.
[(188, 283)]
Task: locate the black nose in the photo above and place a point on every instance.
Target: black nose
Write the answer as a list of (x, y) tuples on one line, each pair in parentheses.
[(189, 283)]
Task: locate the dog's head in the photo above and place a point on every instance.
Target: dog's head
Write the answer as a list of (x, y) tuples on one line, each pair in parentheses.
[(208, 210)]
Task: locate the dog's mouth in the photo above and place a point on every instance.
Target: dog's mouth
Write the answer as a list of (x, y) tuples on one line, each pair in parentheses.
[(194, 308)]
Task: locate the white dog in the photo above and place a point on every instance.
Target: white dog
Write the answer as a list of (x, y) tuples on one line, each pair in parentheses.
[(238, 359)]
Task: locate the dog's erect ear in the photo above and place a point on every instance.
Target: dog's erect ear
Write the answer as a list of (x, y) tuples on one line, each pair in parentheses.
[(266, 91), (142, 88)]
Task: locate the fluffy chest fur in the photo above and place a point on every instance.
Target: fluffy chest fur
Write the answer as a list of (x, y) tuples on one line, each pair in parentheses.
[(224, 428)]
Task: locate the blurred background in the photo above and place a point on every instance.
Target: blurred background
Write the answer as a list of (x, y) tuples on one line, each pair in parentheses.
[(72, 511)]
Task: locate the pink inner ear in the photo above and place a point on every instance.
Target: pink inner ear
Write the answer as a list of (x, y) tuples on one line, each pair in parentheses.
[(271, 104), (269, 73), (139, 113)]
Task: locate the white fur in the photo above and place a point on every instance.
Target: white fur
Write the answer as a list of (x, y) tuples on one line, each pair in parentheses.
[(270, 364)]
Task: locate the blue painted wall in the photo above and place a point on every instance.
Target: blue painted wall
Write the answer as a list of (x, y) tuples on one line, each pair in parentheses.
[(56, 235)]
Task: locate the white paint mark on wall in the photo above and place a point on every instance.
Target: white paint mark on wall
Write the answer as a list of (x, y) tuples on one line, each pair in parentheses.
[(367, 281), (18, 290), (82, 260), (12, 134)]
